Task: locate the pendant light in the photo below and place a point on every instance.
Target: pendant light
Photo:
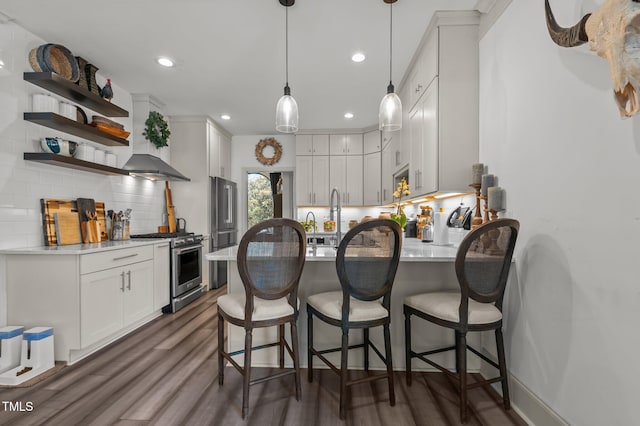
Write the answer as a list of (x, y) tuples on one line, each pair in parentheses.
[(390, 115), (287, 108)]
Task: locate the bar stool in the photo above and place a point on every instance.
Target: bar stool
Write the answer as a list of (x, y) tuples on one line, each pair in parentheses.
[(270, 257), (482, 267), (366, 262)]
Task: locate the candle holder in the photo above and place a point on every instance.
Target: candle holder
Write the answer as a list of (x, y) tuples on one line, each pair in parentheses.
[(477, 217), (493, 249), (486, 208)]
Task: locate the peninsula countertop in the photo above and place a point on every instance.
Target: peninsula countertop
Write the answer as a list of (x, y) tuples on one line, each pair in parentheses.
[(413, 250)]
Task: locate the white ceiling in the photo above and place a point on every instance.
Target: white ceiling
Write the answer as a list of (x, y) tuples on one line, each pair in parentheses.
[(230, 54)]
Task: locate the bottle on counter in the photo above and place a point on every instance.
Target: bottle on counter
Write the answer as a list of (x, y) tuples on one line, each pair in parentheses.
[(440, 229), (427, 229)]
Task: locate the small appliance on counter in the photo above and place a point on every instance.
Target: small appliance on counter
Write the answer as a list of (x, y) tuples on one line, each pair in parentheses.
[(411, 228), (460, 217)]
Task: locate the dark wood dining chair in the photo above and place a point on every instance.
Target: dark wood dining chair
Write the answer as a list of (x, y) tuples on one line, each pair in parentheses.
[(482, 267), (270, 259), (366, 263)]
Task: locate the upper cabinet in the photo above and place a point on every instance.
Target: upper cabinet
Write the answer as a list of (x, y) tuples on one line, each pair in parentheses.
[(312, 144), (443, 105), (346, 144), (372, 142)]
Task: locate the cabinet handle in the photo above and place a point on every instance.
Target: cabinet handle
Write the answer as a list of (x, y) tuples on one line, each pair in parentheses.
[(397, 157), (314, 198), (129, 282), (125, 257), (122, 276), (222, 171), (163, 246), (384, 193)]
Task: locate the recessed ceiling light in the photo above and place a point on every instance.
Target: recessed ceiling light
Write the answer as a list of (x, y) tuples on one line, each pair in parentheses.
[(225, 117), (165, 62), (358, 57), (1, 64), (348, 115)]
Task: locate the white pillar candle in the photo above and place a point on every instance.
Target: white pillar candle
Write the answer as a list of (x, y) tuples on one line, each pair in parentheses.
[(487, 181), (495, 198), (477, 171)]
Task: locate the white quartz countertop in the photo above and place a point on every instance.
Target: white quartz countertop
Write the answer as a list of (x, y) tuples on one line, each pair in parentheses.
[(413, 250), (84, 248)]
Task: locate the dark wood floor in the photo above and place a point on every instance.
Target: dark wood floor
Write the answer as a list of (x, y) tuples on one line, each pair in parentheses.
[(166, 374)]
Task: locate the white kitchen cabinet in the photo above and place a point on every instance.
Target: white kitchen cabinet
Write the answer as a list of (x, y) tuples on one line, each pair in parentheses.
[(89, 299), (372, 179), (224, 156), (351, 144), (346, 174), (161, 275), (113, 299), (388, 156), (443, 121), (312, 180), (423, 125), (312, 144), (372, 142)]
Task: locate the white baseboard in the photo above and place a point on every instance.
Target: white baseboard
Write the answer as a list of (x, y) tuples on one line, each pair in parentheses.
[(524, 402)]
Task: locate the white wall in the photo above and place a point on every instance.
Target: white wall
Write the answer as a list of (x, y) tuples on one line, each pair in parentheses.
[(23, 183), (551, 131)]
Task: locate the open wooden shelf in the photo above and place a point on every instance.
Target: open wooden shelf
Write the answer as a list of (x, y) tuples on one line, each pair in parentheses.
[(73, 163), (63, 87), (58, 122)]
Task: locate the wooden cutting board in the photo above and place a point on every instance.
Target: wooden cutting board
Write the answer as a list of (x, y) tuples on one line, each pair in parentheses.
[(51, 206), (67, 228)]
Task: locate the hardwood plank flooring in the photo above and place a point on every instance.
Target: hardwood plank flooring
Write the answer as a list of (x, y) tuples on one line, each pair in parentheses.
[(165, 373)]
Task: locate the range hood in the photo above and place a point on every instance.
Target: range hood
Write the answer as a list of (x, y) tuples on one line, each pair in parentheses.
[(152, 167), (147, 160)]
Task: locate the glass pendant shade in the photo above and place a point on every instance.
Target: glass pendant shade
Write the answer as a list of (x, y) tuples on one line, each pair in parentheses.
[(287, 113), (390, 115)]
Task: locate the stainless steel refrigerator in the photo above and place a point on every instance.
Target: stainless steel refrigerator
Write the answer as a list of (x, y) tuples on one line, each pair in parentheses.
[(224, 226)]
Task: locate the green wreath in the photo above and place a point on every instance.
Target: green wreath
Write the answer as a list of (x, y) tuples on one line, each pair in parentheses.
[(157, 131)]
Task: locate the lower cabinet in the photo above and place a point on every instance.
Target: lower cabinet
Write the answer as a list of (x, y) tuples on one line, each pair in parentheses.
[(90, 299), (113, 299)]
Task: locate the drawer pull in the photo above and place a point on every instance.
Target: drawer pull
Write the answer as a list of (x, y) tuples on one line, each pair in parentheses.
[(122, 288), (129, 283), (163, 246), (125, 257)]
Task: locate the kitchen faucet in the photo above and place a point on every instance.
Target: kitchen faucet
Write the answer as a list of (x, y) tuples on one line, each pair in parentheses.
[(337, 210), (314, 239)]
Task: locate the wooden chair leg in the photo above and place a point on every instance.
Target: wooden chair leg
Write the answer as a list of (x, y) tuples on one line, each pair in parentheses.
[(503, 369), (309, 346), (246, 372), (461, 363), (281, 341), (343, 374), (407, 346), (365, 332), (388, 358), (296, 361), (220, 350)]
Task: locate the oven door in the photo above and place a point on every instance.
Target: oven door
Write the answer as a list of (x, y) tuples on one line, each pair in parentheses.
[(186, 267)]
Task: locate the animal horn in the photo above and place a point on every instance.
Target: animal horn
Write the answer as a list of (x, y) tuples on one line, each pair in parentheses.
[(566, 37)]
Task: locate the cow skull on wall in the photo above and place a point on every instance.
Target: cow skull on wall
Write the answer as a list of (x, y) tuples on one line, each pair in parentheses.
[(613, 32)]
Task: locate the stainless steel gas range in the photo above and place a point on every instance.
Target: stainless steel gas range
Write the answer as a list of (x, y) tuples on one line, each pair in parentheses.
[(186, 267)]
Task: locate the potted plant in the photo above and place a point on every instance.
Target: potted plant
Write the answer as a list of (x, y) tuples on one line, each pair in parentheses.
[(399, 216)]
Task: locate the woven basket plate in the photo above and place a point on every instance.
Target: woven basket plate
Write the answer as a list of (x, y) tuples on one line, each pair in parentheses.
[(61, 61)]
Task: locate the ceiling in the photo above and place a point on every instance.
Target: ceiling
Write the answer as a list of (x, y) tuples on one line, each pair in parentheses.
[(230, 54)]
